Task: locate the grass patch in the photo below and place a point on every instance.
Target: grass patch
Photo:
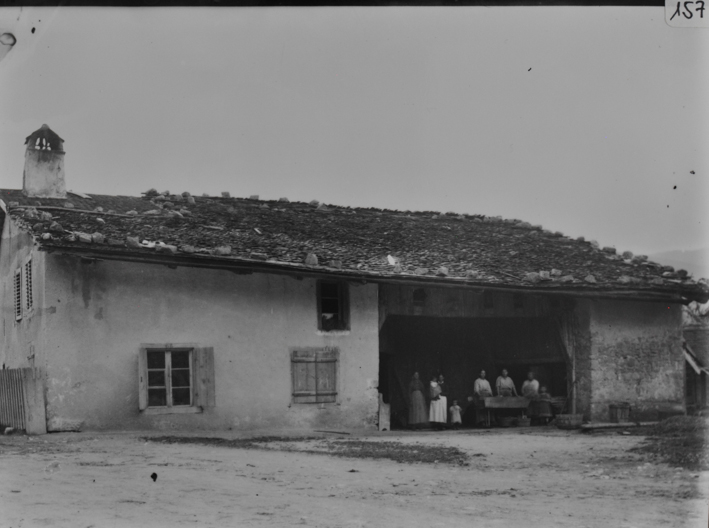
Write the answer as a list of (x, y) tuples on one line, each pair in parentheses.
[(396, 451), (680, 441)]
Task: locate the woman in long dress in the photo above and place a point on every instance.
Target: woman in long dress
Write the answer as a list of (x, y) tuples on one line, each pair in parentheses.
[(417, 403), (438, 414)]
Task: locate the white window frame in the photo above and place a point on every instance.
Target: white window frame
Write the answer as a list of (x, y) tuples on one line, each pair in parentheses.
[(167, 370)]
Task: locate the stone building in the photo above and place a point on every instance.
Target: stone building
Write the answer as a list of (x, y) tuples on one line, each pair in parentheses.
[(175, 311)]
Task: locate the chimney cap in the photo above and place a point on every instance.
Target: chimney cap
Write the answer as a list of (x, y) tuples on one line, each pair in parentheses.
[(48, 135)]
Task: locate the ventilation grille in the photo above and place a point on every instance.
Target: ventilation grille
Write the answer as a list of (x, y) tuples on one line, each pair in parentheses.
[(18, 295), (28, 285)]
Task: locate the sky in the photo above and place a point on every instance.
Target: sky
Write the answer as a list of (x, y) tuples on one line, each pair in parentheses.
[(592, 121)]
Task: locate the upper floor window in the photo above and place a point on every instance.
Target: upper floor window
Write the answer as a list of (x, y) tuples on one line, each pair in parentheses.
[(18, 294), (29, 301), (333, 306), (23, 294)]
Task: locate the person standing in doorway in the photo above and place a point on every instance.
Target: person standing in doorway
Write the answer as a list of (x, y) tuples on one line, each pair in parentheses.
[(417, 403), (530, 387), (438, 412), (481, 390), (504, 385)]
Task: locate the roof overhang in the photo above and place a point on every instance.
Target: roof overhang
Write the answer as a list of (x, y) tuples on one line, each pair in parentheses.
[(246, 266)]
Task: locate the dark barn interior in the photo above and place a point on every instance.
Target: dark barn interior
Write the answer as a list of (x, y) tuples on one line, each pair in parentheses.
[(459, 348)]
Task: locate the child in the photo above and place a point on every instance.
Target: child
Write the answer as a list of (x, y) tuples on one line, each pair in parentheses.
[(543, 406), (455, 415)]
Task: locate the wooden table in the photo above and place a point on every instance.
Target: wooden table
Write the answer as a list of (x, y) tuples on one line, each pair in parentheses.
[(505, 402)]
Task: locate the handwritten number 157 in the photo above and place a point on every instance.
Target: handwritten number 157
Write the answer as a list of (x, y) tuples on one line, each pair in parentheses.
[(687, 13)]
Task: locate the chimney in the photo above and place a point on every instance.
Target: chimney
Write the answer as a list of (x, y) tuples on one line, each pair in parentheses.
[(44, 165)]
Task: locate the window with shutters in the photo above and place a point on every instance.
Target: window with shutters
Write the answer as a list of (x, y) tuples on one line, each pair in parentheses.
[(176, 378), (28, 285), (18, 294), (314, 375), (333, 306)]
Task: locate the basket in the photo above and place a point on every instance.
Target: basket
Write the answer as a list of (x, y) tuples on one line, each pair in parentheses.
[(558, 404), (619, 412), (569, 421)]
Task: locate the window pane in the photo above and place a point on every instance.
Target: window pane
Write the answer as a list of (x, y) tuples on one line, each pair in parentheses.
[(157, 398), (156, 378), (180, 378), (330, 306), (156, 360), (180, 360), (329, 322), (329, 289), (180, 396)]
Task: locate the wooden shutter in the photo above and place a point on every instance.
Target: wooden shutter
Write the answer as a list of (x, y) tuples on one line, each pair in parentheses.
[(304, 376), (28, 285), (204, 394), (326, 376), (314, 375), (18, 294), (143, 379)]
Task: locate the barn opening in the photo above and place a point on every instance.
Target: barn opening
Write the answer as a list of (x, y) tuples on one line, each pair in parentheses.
[(458, 333)]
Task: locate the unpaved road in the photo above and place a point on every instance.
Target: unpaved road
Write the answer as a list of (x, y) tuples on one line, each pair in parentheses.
[(523, 477)]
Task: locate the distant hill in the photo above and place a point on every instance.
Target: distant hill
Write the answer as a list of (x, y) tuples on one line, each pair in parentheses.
[(695, 261)]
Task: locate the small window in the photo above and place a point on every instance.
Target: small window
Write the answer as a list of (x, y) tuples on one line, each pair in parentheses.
[(333, 306), (314, 375), (18, 294), (419, 297), (28, 285), (518, 301), (176, 378), (169, 378), (488, 300)]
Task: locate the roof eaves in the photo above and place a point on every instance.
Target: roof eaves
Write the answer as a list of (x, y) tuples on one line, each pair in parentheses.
[(290, 268)]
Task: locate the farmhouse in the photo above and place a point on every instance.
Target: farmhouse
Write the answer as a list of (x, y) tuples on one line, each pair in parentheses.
[(176, 311)]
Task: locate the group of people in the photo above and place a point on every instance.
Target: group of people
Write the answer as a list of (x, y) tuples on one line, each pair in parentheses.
[(506, 387), (435, 414)]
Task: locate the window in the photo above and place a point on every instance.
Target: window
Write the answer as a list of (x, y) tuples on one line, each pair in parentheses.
[(314, 375), (419, 297), (28, 285), (333, 306), (176, 378), (488, 300), (18, 294)]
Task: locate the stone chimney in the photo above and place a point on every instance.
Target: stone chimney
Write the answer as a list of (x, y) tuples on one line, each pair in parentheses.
[(44, 165)]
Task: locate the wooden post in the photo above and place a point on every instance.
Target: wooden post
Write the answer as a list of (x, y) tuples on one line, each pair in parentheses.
[(33, 396)]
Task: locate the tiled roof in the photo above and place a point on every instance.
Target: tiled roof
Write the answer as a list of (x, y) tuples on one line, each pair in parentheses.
[(446, 247)]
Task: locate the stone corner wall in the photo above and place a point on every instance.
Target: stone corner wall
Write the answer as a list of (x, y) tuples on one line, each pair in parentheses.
[(635, 357)]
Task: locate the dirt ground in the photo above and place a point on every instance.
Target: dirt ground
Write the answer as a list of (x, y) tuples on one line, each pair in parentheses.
[(515, 477)]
